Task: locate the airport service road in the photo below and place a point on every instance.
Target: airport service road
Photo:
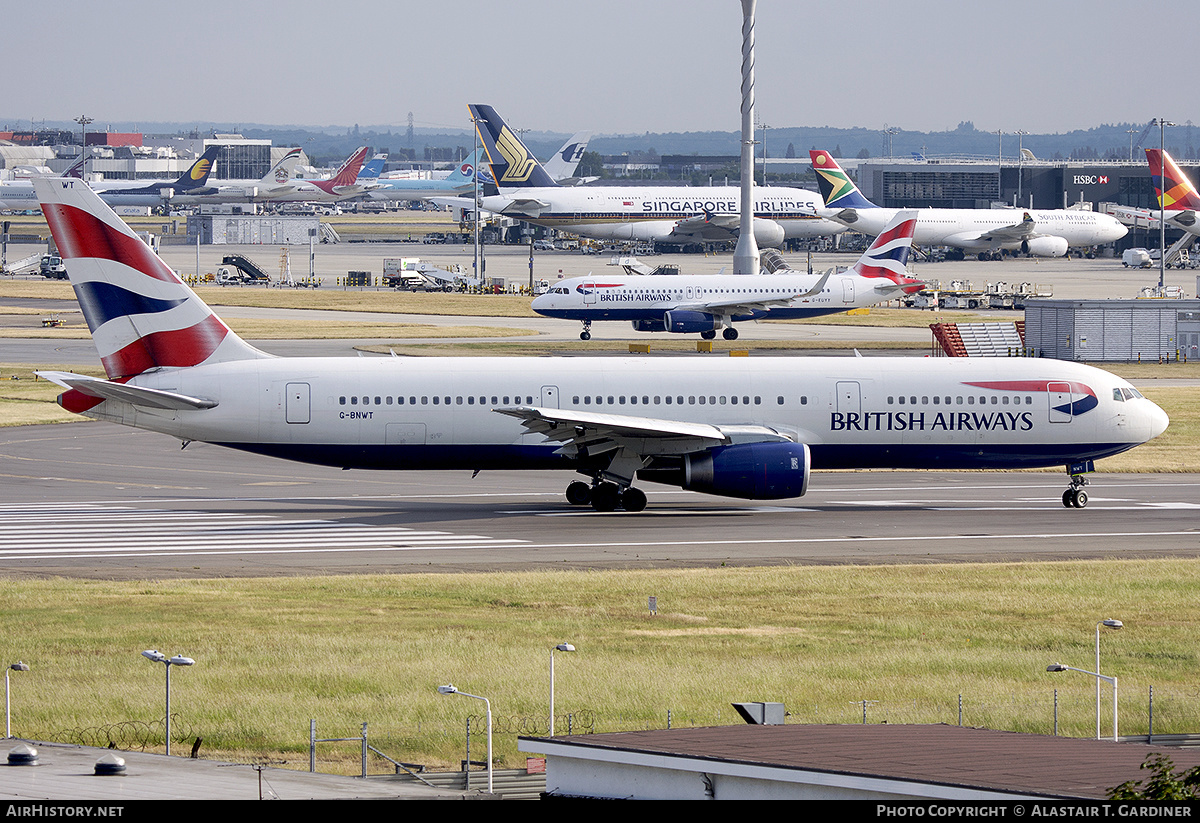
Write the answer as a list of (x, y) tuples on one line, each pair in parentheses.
[(97, 500)]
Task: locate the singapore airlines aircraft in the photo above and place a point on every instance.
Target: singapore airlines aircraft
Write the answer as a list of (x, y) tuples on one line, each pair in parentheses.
[(749, 429), (659, 213), (687, 305), (985, 231), (1178, 198)]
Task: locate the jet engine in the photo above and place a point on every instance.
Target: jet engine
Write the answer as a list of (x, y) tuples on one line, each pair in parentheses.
[(767, 233), (751, 471), (649, 325), (1045, 246), (689, 322)]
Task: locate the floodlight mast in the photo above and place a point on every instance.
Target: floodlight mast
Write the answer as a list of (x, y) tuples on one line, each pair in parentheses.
[(745, 254)]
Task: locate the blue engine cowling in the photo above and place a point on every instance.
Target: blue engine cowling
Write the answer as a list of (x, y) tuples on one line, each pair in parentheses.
[(690, 322), (752, 471), (649, 325)]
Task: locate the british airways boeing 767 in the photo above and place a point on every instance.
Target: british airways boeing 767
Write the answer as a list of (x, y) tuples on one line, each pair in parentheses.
[(746, 428)]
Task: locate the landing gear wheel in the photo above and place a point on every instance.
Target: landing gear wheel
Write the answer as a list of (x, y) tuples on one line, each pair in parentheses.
[(605, 497), (633, 500), (708, 335), (1075, 497), (585, 335), (1079, 498), (1067, 497), (579, 493), (730, 334)]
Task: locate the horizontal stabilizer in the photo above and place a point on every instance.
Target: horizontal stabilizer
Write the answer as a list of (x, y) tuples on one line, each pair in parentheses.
[(136, 395)]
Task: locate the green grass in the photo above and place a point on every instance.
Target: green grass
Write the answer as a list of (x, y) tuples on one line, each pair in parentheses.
[(274, 653)]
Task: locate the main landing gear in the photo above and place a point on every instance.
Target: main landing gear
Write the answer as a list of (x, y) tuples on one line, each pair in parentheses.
[(728, 334), (606, 497), (1075, 497)]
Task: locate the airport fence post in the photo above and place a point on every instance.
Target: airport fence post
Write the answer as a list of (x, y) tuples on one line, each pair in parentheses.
[(312, 745), (364, 749)]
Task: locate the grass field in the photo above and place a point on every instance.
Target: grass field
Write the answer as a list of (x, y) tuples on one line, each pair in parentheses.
[(274, 653)]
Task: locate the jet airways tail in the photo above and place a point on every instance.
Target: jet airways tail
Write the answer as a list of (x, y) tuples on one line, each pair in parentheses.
[(513, 165), (1178, 193), (141, 315), (887, 258), (837, 190), (197, 174)]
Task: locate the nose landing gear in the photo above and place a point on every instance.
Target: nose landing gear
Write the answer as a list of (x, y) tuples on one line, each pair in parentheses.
[(1075, 497), (586, 334)]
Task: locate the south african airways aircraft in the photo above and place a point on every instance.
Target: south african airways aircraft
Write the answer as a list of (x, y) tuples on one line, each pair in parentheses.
[(686, 305), (664, 214), (744, 428), (1041, 233)]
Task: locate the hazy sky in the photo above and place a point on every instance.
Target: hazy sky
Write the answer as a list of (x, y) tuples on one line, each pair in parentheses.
[(614, 66)]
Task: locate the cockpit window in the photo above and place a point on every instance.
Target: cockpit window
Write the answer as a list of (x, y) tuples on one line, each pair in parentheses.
[(1118, 396)]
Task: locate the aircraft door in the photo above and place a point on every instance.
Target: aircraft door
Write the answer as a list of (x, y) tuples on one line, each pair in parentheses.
[(847, 290), (296, 403), (549, 397), (849, 396), (589, 294), (1060, 402)]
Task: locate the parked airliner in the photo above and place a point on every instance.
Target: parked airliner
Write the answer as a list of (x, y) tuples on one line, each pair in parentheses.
[(342, 185), (459, 181), (1045, 233), (159, 192), (1179, 204), (663, 214), (746, 428), (706, 304)]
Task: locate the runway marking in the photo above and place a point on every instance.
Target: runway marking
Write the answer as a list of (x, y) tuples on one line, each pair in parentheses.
[(55, 531)]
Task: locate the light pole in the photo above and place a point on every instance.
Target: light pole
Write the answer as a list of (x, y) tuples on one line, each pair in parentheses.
[(1107, 623), (83, 121), (476, 121), (1020, 161), (890, 131), (1162, 201), (1059, 667), (999, 164), (764, 128), (561, 647), (156, 656), (14, 667), (450, 689)]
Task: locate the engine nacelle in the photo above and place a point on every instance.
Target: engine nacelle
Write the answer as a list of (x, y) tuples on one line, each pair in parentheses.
[(649, 325), (752, 471), (767, 233), (690, 322), (1045, 246)]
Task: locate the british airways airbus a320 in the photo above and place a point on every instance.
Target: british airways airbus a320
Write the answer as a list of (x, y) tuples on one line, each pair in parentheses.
[(745, 428), (687, 305)]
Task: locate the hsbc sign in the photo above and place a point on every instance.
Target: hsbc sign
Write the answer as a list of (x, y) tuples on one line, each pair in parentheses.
[(1090, 179)]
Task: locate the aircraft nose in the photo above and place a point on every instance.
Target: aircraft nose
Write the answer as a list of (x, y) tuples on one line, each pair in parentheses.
[(1158, 421)]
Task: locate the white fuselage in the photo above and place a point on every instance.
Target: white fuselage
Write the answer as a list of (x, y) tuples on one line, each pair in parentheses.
[(653, 213), (967, 228), (438, 413), (647, 298)]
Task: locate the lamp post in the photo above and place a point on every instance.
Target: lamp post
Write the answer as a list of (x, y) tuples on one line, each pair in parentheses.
[(1020, 161), (1107, 623), (1059, 667), (999, 164), (561, 647), (83, 120), (13, 667), (1162, 201), (156, 656), (475, 121), (451, 689)]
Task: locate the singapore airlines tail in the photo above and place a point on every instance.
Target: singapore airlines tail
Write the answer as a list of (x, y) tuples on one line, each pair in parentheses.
[(513, 165)]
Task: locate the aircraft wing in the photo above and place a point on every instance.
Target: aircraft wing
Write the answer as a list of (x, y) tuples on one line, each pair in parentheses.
[(708, 227), (592, 433), (1010, 234), (527, 206), (137, 395), (746, 306)]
